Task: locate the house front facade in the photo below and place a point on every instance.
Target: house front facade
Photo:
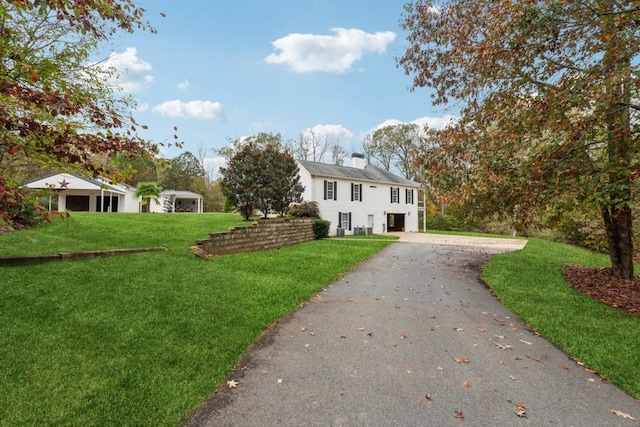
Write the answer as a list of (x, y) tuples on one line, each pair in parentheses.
[(360, 199), (82, 194)]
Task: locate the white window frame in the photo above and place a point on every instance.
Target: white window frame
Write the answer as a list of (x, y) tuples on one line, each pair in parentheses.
[(409, 193), (345, 220), (330, 191)]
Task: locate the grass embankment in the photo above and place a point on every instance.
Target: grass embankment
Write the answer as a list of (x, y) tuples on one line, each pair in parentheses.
[(141, 339), (530, 283)]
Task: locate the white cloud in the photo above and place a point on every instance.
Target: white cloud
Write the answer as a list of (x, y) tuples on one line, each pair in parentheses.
[(130, 73), (212, 166), (141, 108), (436, 122), (338, 133), (205, 110), (335, 53), (183, 85), (432, 122)]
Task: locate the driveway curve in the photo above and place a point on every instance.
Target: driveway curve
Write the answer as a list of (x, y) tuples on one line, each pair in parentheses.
[(412, 337)]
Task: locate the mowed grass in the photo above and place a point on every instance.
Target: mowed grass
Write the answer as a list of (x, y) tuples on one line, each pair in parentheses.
[(141, 339), (530, 283)]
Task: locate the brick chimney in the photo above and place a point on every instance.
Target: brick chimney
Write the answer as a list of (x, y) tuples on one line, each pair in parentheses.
[(357, 160)]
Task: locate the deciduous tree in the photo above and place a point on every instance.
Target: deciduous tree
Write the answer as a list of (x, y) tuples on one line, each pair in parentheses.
[(395, 146), (261, 175), (185, 172), (55, 108), (548, 92)]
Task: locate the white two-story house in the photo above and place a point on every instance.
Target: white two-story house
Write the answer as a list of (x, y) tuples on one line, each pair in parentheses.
[(360, 197)]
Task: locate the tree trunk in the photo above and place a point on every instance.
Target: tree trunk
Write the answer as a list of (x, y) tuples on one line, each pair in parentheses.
[(618, 223), (616, 212)]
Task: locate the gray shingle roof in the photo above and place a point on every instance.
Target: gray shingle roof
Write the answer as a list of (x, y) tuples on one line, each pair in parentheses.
[(369, 173)]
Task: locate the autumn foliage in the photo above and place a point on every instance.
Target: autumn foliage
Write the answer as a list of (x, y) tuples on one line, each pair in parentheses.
[(57, 110), (548, 103)]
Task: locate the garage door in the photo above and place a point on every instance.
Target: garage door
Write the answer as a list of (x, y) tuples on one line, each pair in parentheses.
[(78, 203)]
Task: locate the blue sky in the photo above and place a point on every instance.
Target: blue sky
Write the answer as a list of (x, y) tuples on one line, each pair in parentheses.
[(221, 70)]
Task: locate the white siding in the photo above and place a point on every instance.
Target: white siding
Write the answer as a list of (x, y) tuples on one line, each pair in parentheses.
[(376, 201)]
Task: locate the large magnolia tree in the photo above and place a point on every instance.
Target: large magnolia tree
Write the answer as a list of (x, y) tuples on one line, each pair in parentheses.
[(56, 109), (549, 98), (261, 174)]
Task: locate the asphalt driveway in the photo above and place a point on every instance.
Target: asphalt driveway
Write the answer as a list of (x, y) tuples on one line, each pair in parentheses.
[(412, 337)]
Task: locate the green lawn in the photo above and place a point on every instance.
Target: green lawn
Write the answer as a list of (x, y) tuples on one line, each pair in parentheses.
[(141, 339), (530, 283)]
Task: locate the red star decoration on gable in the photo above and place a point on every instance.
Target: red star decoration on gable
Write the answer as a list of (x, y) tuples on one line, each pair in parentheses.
[(64, 184)]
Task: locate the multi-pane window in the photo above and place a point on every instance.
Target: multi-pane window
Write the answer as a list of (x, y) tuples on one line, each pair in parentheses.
[(395, 198), (356, 192), (409, 196), (330, 190), (344, 220)]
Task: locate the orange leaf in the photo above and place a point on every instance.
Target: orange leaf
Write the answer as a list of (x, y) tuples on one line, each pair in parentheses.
[(459, 415), (622, 414)]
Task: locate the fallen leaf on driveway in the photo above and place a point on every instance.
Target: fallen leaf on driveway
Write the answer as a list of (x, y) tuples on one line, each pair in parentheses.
[(563, 367), (535, 359), (232, 383), (457, 329), (361, 329), (463, 360), (402, 335), (526, 342), (483, 330), (622, 414), (504, 347), (465, 384), (459, 415), (521, 411)]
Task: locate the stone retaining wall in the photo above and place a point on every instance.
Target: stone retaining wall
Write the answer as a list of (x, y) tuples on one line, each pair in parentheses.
[(261, 235)]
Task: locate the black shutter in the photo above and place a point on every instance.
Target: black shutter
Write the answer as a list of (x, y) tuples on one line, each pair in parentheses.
[(406, 195), (349, 221), (391, 194), (339, 219), (352, 191), (335, 190), (325, 189), (360, 192), (413, 199)]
